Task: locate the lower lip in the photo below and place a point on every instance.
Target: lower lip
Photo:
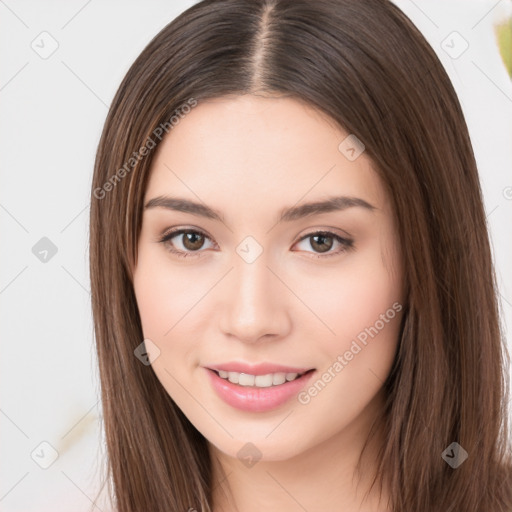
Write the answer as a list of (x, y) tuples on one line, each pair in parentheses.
[(254, 399)]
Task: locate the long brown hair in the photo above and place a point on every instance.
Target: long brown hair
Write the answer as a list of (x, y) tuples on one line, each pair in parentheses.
[(366, 65)]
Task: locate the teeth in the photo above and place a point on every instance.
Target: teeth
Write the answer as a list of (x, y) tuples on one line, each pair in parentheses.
[(263, 381), (278, 378), (259, 381), (244, 379)]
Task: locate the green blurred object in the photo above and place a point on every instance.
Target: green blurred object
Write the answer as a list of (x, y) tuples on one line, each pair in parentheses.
[(504, 37)]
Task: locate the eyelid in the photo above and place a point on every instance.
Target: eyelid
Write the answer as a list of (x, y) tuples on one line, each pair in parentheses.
[(328, 230)]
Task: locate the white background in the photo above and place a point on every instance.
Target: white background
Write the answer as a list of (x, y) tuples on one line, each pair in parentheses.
[(53, 110)]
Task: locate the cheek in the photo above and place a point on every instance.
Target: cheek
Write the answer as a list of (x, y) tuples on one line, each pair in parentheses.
[(362, 304), (167, 300), (153, 298), (352, 296), (163, 295)]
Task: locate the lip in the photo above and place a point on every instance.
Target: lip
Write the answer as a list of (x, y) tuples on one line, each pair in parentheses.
[(254, 399), (255, 369)]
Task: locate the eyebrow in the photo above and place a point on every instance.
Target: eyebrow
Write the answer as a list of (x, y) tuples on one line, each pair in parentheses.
[(332, 204)]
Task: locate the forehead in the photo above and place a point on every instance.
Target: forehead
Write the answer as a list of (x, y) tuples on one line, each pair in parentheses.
[(250, 150)]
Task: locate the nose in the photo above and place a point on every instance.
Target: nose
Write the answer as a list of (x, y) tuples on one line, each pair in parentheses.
[(254, 303)]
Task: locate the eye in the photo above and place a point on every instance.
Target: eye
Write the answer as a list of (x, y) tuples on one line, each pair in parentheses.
[(323, 241), (192, 241)]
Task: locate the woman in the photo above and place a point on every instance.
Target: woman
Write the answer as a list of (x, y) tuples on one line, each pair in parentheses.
[(293, 293)]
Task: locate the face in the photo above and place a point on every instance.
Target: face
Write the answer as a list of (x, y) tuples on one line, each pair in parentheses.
[(235, 274)]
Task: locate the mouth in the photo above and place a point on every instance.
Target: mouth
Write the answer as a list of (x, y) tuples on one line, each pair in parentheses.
[(258, 393)]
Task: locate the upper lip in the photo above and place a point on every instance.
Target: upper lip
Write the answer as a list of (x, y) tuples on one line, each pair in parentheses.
[(256, 369)]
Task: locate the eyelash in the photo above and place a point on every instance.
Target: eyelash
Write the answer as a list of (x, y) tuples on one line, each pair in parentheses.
[(346, 243)]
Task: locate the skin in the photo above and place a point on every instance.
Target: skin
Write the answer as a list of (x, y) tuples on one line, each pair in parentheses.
[(248, 157)]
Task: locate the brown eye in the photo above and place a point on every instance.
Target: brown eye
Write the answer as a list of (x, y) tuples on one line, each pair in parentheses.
[(191, 241), (323, 241)]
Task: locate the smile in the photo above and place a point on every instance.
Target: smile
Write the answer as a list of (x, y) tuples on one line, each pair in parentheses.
[(257, 393)]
